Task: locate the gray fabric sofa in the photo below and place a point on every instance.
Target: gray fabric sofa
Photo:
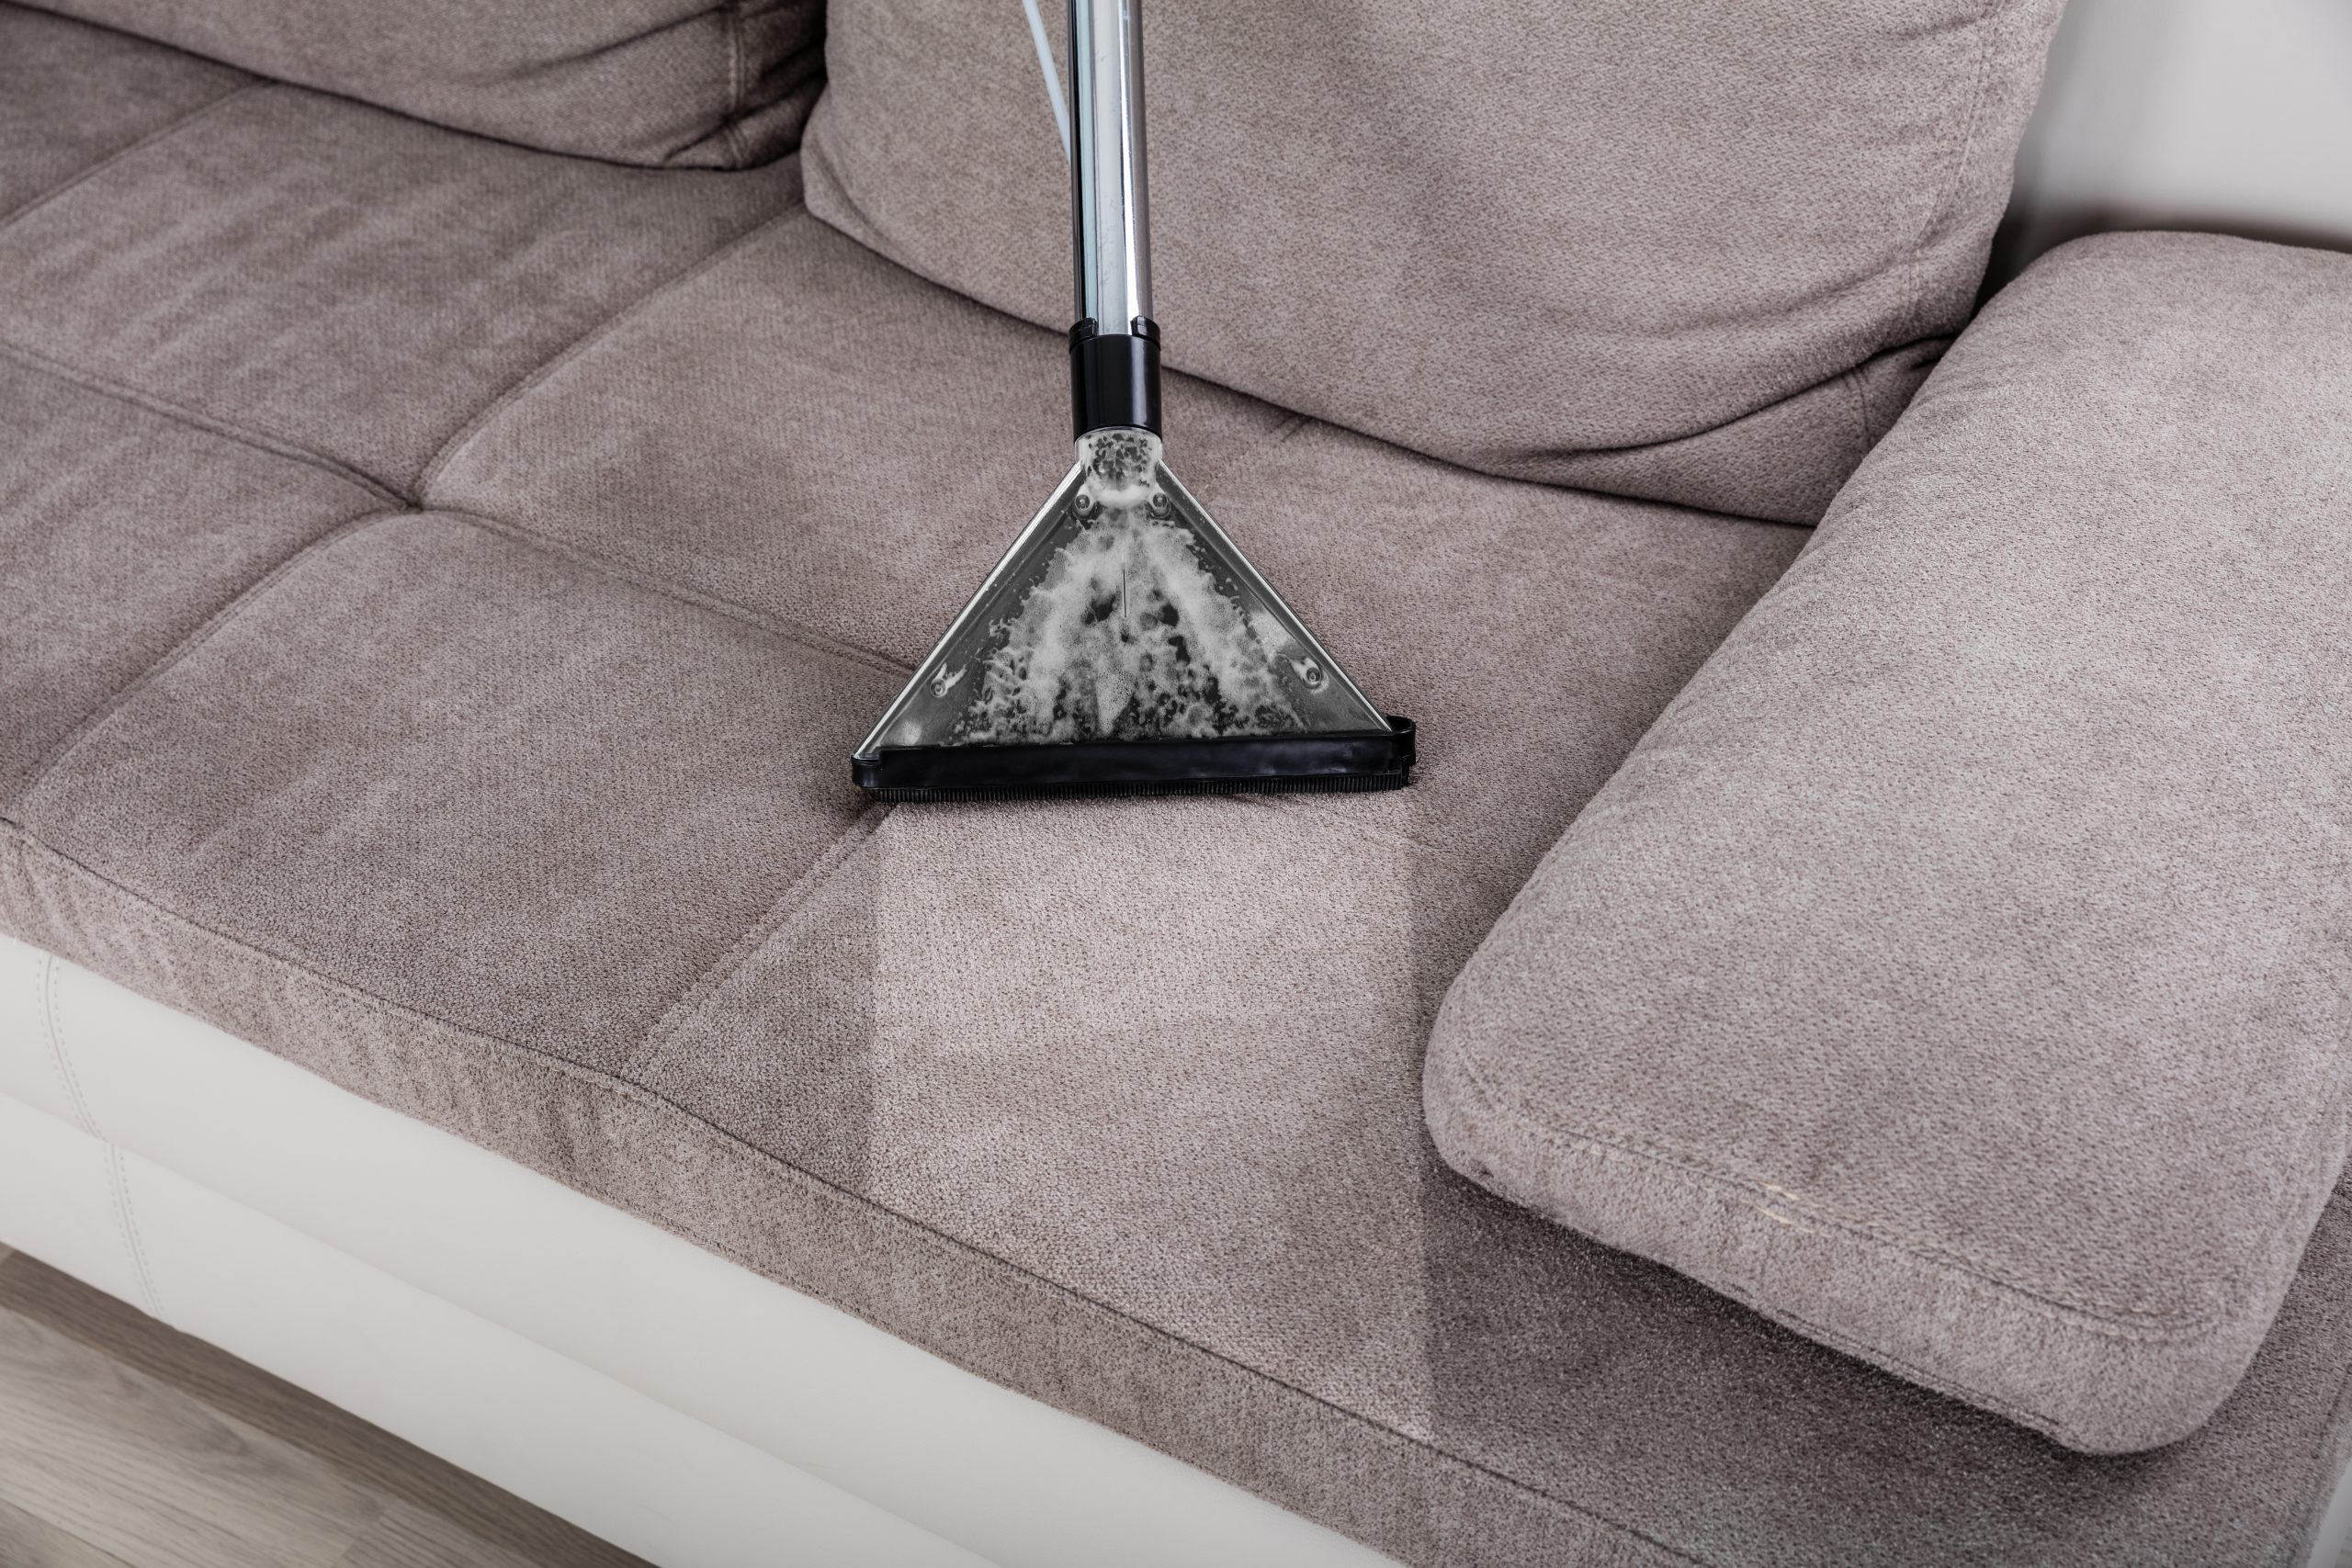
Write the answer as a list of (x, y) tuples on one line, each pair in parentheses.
[(445, 563)]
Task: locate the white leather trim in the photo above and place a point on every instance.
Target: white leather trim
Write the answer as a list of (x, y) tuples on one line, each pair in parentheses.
[(1003, 1475), (621, 1465), (58, 1198), (31, 1068)]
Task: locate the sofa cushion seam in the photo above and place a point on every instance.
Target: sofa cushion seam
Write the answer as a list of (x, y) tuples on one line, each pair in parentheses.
[(2102, 1318), (38, 773), (735, 1150), (592, 559), (1859, 401), (164, 132), (453, 445), (2097, 1317), (163, 408), (731, 124), (646, 1059)]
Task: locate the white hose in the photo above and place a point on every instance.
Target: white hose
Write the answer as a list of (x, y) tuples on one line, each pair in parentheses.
[(1052, 77)]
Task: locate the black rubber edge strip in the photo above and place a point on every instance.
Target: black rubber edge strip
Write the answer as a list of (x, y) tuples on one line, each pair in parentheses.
[(1345, 760)]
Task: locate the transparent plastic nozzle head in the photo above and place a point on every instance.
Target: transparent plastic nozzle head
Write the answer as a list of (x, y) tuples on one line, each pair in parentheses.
[(1122, 612)]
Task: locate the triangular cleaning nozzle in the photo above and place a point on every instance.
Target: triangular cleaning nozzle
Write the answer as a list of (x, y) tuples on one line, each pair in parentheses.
[(1124, 645)]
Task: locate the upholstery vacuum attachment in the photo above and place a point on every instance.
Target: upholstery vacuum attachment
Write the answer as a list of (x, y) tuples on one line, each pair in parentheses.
[(1123, 644)]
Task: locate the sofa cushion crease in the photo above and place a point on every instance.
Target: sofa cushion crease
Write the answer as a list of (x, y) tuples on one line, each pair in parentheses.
[(621, 569), (452, 448), (162, 133), (84, 379), (20, 791), (74, 97), (2031, 767), (122, 534)]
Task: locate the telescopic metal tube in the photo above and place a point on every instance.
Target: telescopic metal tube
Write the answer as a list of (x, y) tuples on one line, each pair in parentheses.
[(1108, 204)]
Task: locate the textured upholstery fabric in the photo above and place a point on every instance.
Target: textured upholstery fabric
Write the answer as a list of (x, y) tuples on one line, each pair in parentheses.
[(565, 796), (909, 485), (1697, 253), (72, 95), (121, 533), (1958, 972), (685, 84), (521, 810), (343, 280)]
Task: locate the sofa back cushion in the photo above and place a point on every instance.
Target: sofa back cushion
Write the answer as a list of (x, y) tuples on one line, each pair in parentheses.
[(684, 82), (1699, 252)]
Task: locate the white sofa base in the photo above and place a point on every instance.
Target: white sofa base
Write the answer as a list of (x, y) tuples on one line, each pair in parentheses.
[(654, 1393)]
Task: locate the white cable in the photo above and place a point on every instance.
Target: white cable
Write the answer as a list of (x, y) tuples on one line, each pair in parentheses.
[(1052, 77)]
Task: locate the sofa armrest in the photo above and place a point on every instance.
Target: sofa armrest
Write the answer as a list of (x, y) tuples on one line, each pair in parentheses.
[(1958, 972)]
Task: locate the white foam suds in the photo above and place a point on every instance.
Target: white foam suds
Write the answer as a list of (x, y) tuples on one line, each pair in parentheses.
[(1126, 635)]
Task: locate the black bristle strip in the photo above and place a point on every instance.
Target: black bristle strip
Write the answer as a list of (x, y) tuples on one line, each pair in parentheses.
[(1356, 785), (1325, 763)]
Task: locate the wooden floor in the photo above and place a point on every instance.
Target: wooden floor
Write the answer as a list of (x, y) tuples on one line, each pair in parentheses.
[(126, 1445)]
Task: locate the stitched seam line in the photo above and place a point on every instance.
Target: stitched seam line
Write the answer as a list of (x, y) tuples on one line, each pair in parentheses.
[(383, 490), (1911, 1371), (463, 436), (1861, 404), (74, 376), (2094, 1317), (126, 1224), (221, 618), (1915, 287), (731, 125), (653, 1052), (164, 133), (734, 1151), (57, 1056), (2098, 1316), (126, 1216)]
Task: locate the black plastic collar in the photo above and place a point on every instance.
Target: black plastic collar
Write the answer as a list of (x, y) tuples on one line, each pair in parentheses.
[(1114, 377)]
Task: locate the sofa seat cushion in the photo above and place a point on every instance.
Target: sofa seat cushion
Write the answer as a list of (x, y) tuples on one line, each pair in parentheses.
[(1958, 972), (339, 281), (1699, 253), (525, 811), (680, 84)]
